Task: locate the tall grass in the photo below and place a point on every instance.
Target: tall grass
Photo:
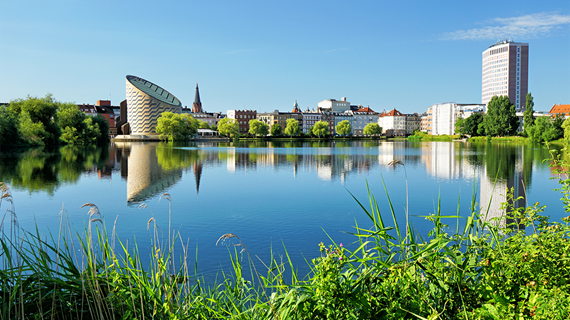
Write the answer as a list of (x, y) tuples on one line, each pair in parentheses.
[(481, 270)]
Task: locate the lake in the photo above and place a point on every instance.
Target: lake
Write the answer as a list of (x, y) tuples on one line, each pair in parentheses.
[(270, 194)]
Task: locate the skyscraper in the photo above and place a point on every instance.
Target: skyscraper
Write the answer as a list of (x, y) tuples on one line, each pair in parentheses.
[(505, 72)]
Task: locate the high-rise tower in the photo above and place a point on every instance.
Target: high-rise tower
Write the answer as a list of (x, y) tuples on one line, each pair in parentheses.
[(197, 105), (505, 72)]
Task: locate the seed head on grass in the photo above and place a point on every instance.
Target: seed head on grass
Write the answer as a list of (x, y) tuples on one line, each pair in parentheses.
[(93, 210), (149, 221), (395, 162), (227, 236)]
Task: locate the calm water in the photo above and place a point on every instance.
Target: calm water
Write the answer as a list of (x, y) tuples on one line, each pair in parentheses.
[(269, 194)]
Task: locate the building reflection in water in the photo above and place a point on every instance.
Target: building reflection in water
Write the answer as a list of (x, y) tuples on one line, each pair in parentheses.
[(145, 177), (500, 170), (152, 168)]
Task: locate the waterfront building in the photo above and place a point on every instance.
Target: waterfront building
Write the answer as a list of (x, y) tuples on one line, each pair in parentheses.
[(242, 118), (413, 122), (309, 119), (341, 116), (329, 117), (560, 110), (505, 72), (444, 115), (393, 123), (425, 124), (104, 109), (145, 103), (361, 117), (332, 105)]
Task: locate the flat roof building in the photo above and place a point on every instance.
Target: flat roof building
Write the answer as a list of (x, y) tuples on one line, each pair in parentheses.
[(505, 72)]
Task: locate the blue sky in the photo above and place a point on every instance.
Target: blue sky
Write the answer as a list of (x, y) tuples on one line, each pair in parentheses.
[(264, 55)]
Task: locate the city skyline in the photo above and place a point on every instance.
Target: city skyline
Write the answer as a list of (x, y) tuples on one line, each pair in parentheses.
[(264, 56)]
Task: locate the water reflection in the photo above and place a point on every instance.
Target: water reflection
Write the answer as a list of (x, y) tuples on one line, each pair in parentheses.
[(45, 170), (153, 168)]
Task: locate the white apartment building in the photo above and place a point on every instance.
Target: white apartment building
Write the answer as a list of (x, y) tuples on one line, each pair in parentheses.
[(505, 72), (333, 105), (444, 115), (393, 123)]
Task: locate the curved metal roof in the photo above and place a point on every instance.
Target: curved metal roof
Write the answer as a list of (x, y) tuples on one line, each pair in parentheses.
[(153, 90)]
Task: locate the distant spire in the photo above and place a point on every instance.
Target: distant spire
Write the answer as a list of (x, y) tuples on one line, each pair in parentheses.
[(197, 105), (197, 96)]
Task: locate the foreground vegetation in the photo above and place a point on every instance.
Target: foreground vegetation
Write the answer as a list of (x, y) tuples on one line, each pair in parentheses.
[(484, 269)]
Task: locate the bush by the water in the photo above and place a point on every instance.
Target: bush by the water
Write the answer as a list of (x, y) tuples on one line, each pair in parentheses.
[(424, 136)]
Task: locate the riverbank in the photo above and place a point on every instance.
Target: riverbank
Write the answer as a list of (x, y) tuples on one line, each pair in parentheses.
[(482, 270)]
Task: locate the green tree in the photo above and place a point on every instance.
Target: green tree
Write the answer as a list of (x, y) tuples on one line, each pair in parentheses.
[(472, 126), (566, 127), (528, 119), (228, 127), (546, 129), (174, 126), (320, 128), (276, 130), (103, 125), (460, 126), (372, 129), (343, 128), (292, 128), (37, 119), (8, 128), (258, 128), (203, 125), (501, 119)]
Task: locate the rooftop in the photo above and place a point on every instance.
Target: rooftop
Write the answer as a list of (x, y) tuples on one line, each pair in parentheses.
[(153, 90)]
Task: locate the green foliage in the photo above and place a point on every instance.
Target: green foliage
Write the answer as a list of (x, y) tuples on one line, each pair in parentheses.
[(320, 128), (528, 117), (103, 128), (228, 127), (501, 119), (78, 129), (472, 126), (566, 128), (37, 119), (546, 129), (424, 136), (372, 129), (292, 128), (343, 128), (276, 130), (460, 126), (175, 127), (203, 125), (8, 128), (69, 115), (258, 128)]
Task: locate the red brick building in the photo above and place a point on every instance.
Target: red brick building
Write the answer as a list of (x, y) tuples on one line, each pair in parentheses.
[(242, 118)]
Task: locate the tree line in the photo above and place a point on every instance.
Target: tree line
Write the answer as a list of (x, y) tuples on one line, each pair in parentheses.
[(183, 127), (501, 120), (44, 121)]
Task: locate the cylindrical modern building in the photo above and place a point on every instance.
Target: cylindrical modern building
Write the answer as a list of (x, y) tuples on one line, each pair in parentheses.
[(145, 103)]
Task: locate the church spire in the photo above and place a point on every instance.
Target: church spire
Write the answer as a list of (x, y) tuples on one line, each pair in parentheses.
[(197, 105)]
